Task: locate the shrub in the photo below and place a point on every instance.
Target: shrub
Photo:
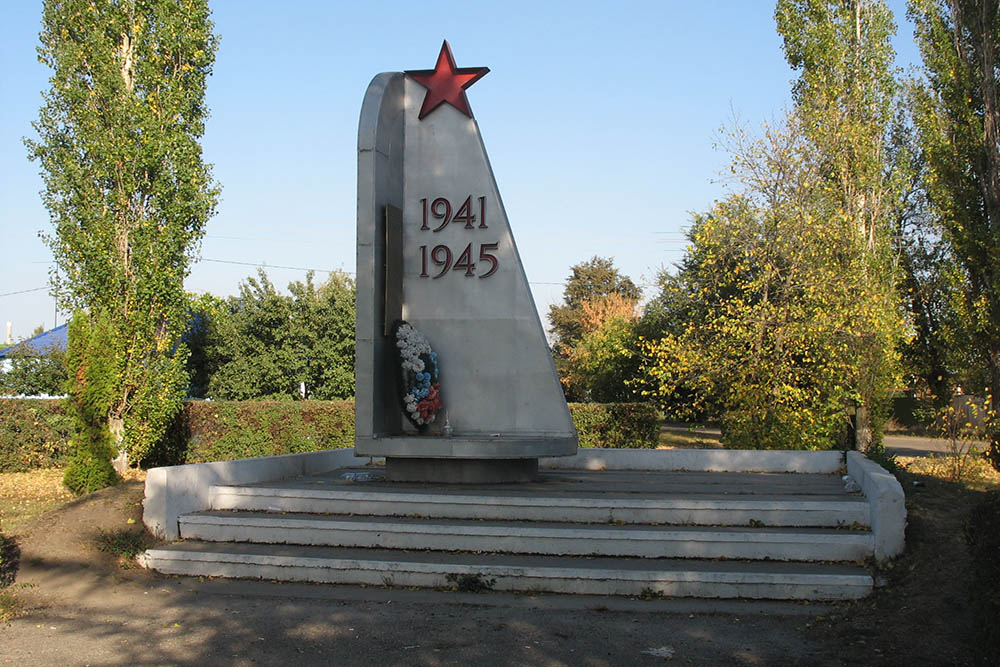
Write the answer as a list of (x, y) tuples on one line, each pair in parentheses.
[(89, 471), (616, 424), (123, 542), (34, 433), (224, 430), (10, 555), (91, 393), (982, 533)]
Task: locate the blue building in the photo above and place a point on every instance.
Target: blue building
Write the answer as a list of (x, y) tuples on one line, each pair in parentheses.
[(37, 346)]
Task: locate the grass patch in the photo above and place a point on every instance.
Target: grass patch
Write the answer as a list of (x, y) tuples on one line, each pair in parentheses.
[(472, 582), (691, 438), (10, 606), (978, 474), (124, 543), (26, 495)]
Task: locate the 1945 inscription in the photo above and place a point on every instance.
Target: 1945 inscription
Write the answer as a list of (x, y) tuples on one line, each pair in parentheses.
[(436, 214)]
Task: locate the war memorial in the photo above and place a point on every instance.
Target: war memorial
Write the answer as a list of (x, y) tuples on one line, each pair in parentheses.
[(466, 467)]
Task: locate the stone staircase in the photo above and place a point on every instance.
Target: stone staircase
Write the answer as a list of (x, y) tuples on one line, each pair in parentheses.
[(700, 534)]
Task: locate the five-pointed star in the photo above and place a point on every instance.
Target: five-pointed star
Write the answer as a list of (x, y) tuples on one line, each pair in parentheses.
[(447, 83)]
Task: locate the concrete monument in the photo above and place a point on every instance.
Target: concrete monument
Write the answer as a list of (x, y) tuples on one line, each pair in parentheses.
[(455, 382)]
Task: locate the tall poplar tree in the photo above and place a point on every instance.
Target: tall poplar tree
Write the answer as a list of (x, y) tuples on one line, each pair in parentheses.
[(788, 288), (958, 116), (128, 194), (844, 98)]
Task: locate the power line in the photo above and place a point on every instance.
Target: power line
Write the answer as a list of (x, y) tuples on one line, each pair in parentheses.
[(263, 265), (25, 291)]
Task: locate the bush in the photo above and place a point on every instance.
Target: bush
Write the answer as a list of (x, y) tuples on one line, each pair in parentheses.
[(89, 471), (10, 555), (34, 433), (616, 424), (224, 430), (123, 542), (982, 533)]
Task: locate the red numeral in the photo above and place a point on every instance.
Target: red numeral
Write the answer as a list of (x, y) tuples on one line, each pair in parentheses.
[(445, 263), (465, 262), (443, 258), (465, 213), (487, 257), (443, 214), (482, 212), (423, 204)]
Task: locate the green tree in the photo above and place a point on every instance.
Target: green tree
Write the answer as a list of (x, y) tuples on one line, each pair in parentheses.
[(844, 99), (589, 282), (958, 116), (604, 360), (765, 342), (926, 271), (793, 316), (266, 345), (127, 190), (35, 372)]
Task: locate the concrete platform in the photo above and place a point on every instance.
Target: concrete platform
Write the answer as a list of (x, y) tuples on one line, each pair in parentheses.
[(704, 498), (761, 531), (581, 539), (503, 572)]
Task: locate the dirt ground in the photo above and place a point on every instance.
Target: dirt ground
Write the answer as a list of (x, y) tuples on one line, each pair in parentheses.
[(79, 606)]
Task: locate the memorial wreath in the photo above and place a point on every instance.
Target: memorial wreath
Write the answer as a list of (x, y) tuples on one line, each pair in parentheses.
[(418, 365)]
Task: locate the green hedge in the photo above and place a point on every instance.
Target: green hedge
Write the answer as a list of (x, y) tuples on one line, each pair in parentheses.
[(608, 425), (228, 430), (34, 433)]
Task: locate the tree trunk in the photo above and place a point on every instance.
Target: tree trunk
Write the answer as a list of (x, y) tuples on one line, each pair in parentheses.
[(116, 426), (992, 421), (863, 431)]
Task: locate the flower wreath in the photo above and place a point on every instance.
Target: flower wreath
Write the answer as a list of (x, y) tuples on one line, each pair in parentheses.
[(421, 387)]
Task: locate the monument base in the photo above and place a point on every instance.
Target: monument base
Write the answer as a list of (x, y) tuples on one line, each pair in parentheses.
[(460, 471)]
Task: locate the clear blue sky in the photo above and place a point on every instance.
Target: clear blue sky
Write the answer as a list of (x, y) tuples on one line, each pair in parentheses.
[(599, 120)]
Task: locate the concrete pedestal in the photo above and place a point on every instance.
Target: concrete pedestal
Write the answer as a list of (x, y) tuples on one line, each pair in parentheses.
[(460, 471)]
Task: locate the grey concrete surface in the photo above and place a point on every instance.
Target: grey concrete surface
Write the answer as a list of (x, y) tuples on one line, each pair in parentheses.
[(175, 490), (901, 445), (888, 504), (654, 541), (331, 528), (166, 620), (705, 460)]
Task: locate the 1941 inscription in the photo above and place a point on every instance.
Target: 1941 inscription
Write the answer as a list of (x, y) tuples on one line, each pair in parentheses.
[(436, 214)]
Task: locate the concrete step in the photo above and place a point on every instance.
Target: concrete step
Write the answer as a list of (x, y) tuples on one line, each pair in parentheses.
[(647, 541), (711, 509), (562, 574)]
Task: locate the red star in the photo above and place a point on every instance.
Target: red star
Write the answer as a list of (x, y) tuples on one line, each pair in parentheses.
[(446, 83)]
